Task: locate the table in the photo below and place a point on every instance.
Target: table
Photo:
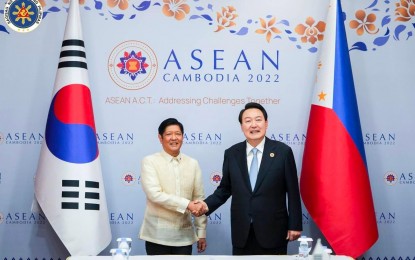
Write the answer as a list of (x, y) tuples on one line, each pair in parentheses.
[(205, 257)]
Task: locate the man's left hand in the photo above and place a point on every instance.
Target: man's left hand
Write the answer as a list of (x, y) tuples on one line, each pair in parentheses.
[(293, 235), (201, 245)]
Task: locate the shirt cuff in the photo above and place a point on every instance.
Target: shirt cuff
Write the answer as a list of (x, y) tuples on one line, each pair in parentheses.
[(182, 207), (201, 233)]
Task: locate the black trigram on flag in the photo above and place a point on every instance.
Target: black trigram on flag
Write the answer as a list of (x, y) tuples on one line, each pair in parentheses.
[(72, 54), (89, 194)]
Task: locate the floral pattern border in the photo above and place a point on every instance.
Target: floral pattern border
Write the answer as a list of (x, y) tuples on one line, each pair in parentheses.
[(383, 21)]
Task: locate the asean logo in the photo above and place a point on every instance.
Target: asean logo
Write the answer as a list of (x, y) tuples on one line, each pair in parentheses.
[(390, 178), (23, 15), (129, 178), (215, 178), (132, 65)]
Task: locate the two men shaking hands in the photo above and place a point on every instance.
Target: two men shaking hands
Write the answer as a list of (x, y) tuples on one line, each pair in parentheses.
[(198, 208)]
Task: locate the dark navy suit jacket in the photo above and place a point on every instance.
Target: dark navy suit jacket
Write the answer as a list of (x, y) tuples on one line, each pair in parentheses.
[(274, 206)]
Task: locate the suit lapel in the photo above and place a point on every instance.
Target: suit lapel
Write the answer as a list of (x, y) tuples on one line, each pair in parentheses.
[(242, 163), (266, 161)]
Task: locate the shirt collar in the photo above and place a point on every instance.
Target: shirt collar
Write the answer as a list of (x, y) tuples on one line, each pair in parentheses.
[(170, 158), (260, 146)]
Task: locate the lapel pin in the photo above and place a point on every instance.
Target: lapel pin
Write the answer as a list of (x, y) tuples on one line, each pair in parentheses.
[(271, 155)]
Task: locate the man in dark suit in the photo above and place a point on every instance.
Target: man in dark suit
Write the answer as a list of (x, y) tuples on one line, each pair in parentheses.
[(261, 222)]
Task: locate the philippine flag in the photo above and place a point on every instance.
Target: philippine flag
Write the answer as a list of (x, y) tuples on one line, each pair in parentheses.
[(68, 184), (334, 180)]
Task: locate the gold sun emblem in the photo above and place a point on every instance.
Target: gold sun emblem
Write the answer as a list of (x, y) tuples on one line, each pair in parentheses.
[(23, 13)]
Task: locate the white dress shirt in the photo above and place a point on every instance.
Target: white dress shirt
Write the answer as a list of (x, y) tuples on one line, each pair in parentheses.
[(170, 183), (250, 155)]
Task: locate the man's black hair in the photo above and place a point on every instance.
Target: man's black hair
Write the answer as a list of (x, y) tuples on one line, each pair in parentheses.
[(253, 105), (169, 122)]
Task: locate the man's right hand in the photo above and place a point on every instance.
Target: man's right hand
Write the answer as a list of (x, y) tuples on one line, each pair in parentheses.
[(197, 207)]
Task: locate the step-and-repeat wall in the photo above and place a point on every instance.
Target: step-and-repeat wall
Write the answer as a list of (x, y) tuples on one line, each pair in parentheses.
[(208, 59)]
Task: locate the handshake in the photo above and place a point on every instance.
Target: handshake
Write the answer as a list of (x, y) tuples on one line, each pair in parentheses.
[(197, 208)]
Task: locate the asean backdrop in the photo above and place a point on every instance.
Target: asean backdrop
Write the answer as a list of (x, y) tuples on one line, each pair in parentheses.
[(201, 61)]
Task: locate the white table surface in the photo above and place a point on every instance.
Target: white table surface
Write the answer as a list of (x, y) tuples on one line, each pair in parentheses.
[(205, 257)]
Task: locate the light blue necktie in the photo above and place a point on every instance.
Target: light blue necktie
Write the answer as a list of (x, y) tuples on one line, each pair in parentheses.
[(253, 170)]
